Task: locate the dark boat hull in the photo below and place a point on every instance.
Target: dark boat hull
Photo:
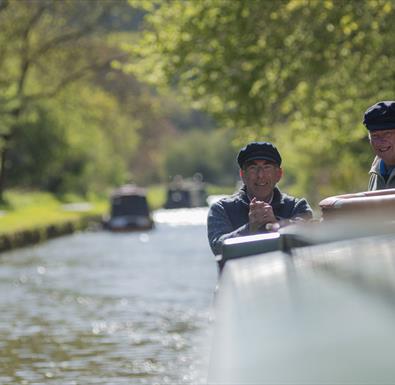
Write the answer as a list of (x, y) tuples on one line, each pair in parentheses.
[(129, 223)]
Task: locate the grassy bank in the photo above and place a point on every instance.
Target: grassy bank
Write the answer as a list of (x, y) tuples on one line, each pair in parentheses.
[(26, 210), (29, 209), (29, 217)]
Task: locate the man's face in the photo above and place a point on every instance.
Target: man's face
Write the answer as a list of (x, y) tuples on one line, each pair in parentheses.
[(383, 144), (260, 177)]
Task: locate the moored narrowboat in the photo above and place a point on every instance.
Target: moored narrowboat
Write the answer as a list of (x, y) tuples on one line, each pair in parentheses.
[(129, 210), (186, 193)]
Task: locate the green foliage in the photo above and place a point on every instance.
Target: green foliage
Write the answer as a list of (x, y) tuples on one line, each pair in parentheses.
[(156, 196), (34, 157), (19, 199), (298, 72), (100, 138), (70, 121), (78, 142), (45, 46), (61, 131), (209, 154)]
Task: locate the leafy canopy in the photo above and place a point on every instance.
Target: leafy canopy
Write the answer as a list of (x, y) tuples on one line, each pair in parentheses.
[(299, 72)]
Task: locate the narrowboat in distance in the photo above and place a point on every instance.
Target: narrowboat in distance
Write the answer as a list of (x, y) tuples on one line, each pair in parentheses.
[(186, 193), (129, 210)]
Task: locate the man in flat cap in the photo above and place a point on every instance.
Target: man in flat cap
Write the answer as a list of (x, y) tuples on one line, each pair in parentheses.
[(379, 119), (259, 205)]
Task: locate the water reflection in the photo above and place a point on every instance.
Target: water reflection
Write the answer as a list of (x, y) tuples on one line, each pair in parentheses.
[(103, 308), (179, 217)]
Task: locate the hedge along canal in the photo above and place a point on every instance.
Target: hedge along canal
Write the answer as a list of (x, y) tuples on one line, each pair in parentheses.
[(31, 236)]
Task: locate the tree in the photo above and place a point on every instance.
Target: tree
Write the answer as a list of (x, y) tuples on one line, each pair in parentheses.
[(45, 46), (300, 72)]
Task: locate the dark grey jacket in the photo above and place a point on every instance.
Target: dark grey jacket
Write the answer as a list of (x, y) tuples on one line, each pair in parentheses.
[(377, 181), (228, 217)]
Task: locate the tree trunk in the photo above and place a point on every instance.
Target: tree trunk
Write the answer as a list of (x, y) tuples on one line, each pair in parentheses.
[(3, 159), (2, 173)]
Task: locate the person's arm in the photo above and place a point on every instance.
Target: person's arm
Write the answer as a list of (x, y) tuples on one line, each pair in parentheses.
[(220, 228)]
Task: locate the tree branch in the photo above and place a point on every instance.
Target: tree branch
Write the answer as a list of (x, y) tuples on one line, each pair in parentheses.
[(82, 72), (70, 36), (25, 61), (61, 39)]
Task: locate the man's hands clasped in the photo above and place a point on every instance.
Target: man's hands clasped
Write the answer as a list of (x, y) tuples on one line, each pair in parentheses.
[(260, 214)]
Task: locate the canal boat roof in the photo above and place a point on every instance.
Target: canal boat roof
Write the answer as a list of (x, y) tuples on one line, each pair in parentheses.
[(183, 193), (129, 210), (128, 190), (312, 303)]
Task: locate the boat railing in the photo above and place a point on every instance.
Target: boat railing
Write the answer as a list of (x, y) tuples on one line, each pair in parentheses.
[(346, 216)]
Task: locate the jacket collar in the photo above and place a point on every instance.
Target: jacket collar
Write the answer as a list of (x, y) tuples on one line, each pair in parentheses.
[(276, 200), (375, 168)]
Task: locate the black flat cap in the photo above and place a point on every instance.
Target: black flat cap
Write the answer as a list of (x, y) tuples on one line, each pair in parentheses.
[(259, 151), (380, 116)]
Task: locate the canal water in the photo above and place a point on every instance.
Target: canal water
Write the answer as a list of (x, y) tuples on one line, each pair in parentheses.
[(105, 308)]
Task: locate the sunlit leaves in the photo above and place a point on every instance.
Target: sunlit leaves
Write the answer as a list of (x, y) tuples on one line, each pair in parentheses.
[(291, 70)]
